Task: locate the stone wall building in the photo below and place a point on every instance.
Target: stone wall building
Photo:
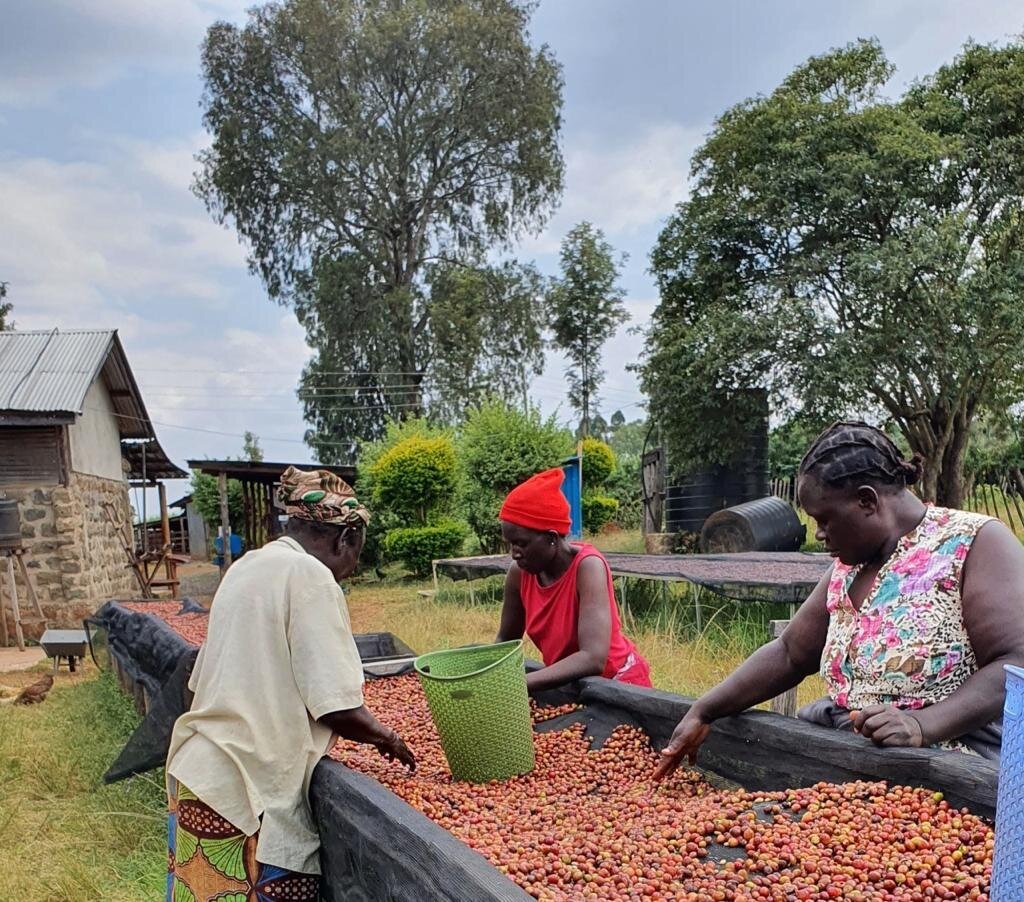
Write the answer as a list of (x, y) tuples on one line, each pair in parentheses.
[(73, 428)]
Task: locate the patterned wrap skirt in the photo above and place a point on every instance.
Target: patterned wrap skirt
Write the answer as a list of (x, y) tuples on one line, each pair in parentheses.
[(209, 858)]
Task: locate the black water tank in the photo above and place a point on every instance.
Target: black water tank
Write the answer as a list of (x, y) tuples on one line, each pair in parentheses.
[(10, 524), (768, 524), (688, 504)]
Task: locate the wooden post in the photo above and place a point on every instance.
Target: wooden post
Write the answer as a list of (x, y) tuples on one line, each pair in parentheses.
[(652, 469), (784, 704), (165, 528), (225, 521), (3, 622), (12, 587), (19, 553)]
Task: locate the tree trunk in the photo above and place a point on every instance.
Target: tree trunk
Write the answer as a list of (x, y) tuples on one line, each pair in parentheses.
[(943, 478), (951, 477)]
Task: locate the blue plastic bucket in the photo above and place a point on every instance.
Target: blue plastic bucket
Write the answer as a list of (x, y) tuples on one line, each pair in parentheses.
[(1008, 860)]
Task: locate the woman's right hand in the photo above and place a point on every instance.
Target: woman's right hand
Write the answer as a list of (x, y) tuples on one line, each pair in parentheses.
[(394, 748), (686, 739)]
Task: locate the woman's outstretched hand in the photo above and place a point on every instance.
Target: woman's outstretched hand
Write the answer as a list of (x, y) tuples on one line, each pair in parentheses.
[(686, 739)]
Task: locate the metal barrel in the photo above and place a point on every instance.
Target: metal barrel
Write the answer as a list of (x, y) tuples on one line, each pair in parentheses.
[(767, 524)]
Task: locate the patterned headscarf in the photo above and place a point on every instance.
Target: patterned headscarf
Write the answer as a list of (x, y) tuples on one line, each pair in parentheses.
[(322, 496)]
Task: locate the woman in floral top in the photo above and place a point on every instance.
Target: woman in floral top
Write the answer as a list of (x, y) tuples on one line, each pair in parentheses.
[(910, 628)]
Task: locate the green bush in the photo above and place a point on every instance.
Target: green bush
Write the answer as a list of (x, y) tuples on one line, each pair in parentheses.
[(624, 487), (415, 477), (598, 463), (598, 509), (394, 433), (418, 546), (501, 446), (480, 507)]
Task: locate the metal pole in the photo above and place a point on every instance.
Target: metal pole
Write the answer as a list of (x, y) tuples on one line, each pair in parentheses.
[(697, 589), (225, 521)]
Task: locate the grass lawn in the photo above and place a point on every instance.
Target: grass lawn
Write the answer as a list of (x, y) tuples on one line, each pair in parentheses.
[(63, 834)]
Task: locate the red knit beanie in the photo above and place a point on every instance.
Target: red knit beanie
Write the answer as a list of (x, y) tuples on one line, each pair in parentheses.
[(539, 504)]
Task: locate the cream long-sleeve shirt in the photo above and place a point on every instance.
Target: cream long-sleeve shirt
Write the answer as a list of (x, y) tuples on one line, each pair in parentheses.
[(279, 653)]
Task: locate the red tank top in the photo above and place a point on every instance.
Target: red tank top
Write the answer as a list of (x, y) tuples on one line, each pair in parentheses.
[(553, 613)]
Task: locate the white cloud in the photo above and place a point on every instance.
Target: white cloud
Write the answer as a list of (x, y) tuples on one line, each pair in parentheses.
[(82, 239), (48, 46), (621, 188), (121, 243)]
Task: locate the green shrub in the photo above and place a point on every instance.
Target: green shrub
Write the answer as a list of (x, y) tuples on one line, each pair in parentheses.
[(501, 446), (624, 487), (418, 546), (415, 477), (598, 509), (394, 433), (598, 463), (480, 507)]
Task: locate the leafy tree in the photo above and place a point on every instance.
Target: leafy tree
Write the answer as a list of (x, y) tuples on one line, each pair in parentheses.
[(586, 309), (627, 439), (206, 496), (598, 510), (854, 254), (500, 447), (486, 335), (354, 142), (251, 449), (5, 308), (418, 547), (787, 444)]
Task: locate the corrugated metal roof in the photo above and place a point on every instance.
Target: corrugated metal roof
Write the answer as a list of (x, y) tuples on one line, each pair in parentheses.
[(50, 371)]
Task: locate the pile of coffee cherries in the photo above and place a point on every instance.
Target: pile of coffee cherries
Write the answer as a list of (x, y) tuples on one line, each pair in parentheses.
[(590, 823), (191, 627)]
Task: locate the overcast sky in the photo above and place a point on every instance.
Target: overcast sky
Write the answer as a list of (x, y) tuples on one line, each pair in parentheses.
[(100, 119)]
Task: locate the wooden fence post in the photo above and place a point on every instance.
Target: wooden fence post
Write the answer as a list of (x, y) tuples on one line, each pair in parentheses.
[(784, 704)]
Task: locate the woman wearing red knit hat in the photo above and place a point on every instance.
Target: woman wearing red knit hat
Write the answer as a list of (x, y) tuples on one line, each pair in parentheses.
[(560, 593)]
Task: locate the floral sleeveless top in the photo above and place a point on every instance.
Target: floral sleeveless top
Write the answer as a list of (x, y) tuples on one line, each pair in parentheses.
[(907, 646)]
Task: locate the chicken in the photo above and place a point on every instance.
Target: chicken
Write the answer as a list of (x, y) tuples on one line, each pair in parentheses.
[(36, 692)]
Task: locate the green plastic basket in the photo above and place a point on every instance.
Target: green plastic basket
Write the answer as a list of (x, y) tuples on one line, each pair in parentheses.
[(478, 700)]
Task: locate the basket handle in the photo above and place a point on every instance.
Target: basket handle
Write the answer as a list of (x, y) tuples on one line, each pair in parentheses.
[(461, 694)]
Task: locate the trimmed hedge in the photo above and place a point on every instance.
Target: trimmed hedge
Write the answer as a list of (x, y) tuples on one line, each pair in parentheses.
[(598, 463), (418, 546), (415, 476), (598, 509)]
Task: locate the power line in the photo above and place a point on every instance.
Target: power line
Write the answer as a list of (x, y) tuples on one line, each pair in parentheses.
[(239, 435), (413, 386), (328, 392)]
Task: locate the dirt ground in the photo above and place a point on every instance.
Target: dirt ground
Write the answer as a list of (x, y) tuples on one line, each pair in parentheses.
[(199, 581)]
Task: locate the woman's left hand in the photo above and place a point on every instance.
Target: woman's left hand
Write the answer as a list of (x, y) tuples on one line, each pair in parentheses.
[(887, 725)]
